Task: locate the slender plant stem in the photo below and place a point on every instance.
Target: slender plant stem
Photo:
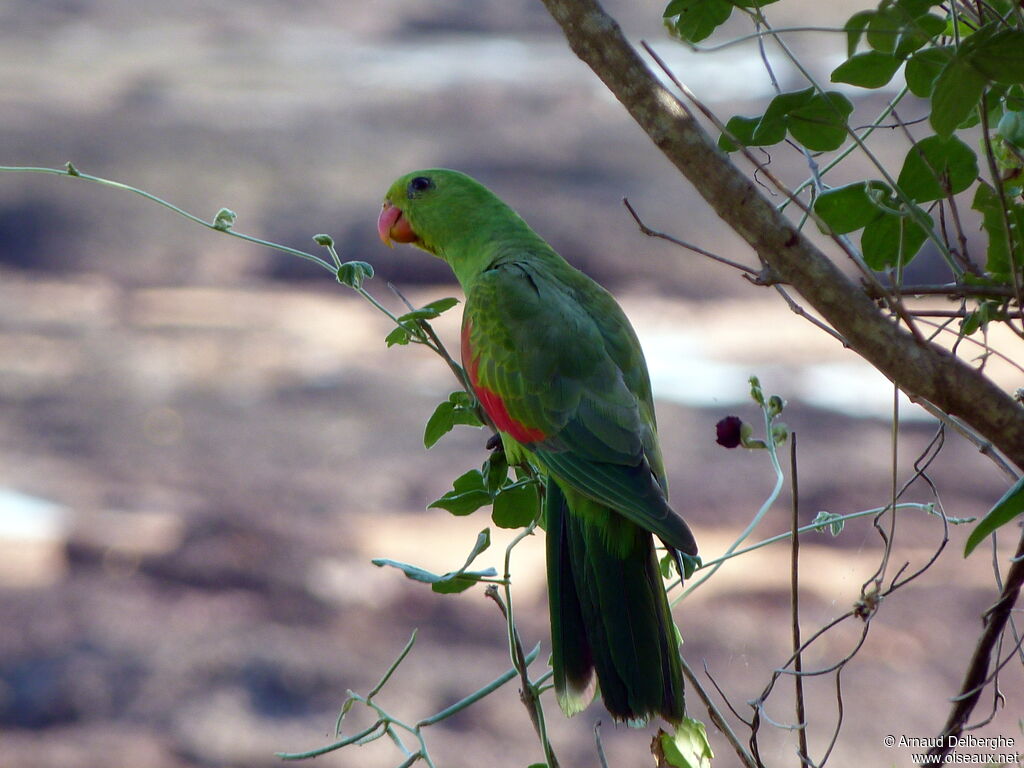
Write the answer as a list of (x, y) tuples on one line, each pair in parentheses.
[(794, 600)]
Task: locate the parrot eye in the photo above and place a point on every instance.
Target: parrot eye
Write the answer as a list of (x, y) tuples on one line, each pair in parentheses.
[(419, 185)]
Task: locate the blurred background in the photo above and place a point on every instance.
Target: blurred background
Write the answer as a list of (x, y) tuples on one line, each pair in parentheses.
[(203, 443)]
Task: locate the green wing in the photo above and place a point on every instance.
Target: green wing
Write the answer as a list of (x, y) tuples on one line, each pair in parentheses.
[(559, 354)]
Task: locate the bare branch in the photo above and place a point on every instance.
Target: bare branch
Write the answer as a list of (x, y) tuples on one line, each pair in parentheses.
[(794, 600), (683, 244), (977, 671)]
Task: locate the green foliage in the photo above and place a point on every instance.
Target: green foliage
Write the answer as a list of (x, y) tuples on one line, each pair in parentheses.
[(459, 408), (924, 67), (847, 209), (515, 504), (1009, 507), (872, 69), (955, 94), (892, 239), (695, 20), (816, 120), (1011, 128), (980, 317), (468, 494), (408, 325), (968, 72), (936, 167), (686, 747), (352, 273), (994, 220), (454, 581), (828, 520), (429, 311), (224, 220)]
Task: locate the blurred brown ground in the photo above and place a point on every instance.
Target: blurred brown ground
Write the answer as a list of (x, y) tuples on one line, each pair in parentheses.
[(220, 443)]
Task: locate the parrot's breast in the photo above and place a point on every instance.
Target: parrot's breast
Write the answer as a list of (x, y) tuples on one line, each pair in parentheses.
[(491, 401)]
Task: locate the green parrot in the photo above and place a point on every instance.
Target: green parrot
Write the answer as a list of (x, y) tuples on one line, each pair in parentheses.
[(557, 367)]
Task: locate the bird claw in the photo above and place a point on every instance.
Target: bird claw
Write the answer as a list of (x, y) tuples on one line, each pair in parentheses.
[(493, 442)]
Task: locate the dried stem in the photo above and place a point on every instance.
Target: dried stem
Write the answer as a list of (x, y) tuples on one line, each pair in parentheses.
[(794, 601)]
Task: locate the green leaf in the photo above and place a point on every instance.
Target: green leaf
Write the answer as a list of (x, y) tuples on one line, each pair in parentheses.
[(936, 166), (516, 506), (439, 424), (462, 579), (441, 305), (918, 33), (999, 56), (429, 311), (818, 121), (743, 129), (666, 564), (352, 273), (1011, 128), (457, 409), (987, 202), (820, 125), (855, 28), (1006, 509), (833, 522), (883, 28), (980, 317), (924, 67), (695, 20), (495, 471), (483, 541), (779, 107), (890, 240), (913, 9), (453, 581), (224, 220), (468, 494), (688, 747), (847, 209), (956, 94), (398, 335), (446, 584), (867, 70)]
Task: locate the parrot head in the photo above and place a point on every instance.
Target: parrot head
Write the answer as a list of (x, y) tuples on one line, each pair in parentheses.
[(443, 212)]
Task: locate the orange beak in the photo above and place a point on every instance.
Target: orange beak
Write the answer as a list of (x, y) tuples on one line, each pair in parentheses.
[(393, 226)]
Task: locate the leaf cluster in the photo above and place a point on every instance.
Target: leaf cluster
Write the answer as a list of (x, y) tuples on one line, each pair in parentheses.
[(968, 70)]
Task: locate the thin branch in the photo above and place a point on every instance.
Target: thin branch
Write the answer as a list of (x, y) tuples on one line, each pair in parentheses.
[(683, 244), (841, 240), (919, 368), (953, 290), (801, 312), (717, 718), (599, 746), (971, 688), (794, 601), (219, 224)]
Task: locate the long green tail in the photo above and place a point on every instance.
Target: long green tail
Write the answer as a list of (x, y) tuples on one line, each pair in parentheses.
[(609, 613)]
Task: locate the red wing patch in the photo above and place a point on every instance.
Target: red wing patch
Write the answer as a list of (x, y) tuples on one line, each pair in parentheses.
[(490, 400)]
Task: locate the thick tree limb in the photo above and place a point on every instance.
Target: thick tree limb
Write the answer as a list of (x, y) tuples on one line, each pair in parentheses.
[(922, 370)]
